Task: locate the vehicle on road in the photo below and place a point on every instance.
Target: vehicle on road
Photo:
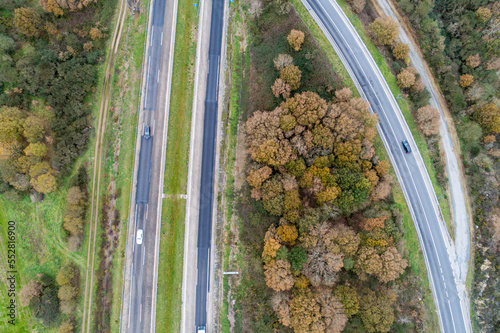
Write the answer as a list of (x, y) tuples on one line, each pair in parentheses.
[(147, 132), (201, 329), (139, 236), (406, 146)]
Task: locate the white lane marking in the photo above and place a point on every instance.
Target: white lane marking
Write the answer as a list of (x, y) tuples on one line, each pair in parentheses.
[(152, 34), (154, 123), (147, 211), (158, 80), (131, 287), (143, 254), (140, 313), (161, 39)]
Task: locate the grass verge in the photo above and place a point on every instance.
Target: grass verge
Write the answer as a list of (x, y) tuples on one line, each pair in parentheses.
[(168, 314), (405, 109)]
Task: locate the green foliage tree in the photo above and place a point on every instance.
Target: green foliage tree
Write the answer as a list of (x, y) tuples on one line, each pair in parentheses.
[(470, 131), (349, 297), (376, 310), (65, 275), (298, 258)]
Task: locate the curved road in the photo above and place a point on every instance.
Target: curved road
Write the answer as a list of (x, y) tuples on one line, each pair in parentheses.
[(411, 172)]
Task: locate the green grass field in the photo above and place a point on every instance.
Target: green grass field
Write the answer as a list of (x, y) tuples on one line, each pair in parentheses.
[(168, 314)]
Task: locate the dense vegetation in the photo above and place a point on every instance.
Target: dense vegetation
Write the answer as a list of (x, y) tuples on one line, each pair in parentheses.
[(461, 42), (48, 56), (324, 247)]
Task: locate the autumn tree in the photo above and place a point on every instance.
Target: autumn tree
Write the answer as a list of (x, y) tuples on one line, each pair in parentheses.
[(67, 292), (51, 6), (307, 108), (65, 275), (28, 291), (405, 78), (428, 120), (95, 33), (66, 327), (287, 233), (295, 39), (368, 262), (357, 5), (349, 298), (374, 222), (466, 80), (291, 75), (278, 275), (322, 267), (401, 51), (332, 310), (282, 60), (473, 60), (385, 30), (489, 118), (343, 95), (280, 303), (483, 14), (271, 244), (393, 265), (280, 87), (255, 178), (376, 310), (343, 237), (304, 310), (28, 21), (383, 189)]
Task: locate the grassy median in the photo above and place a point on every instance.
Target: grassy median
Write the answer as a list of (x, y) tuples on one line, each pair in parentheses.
[(168, 309)]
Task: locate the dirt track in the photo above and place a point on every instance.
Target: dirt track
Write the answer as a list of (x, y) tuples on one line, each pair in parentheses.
[(96, 178)]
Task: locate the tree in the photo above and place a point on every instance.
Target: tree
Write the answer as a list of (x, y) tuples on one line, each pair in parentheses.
[(291, 75), (393, 265), (34, 128), (357, 5), (282, 60), (51, 6), (483, 14), (428, 120), (66, 275), (280, 87), (376, 310), (74, 225), (304, 310), (349, 298), (470, 131), (307, 108), (473, 61), (405, 78), (67, 292), (343, 237), (382, 167), (466, 80), (11, 119), (95, 33), (287, 233), (66, 327), (343, 95), (7, 44), (383, 189), (255, 178), (28, 291), (368, 262), (385, 30), (322, 267), (295, 39), (489, 118), (27, 21), (44, 183), (298, 258), (278, 275), (401, 51), (280, 303), (36, 149), (67, 306), (332, 310), (372, 223)]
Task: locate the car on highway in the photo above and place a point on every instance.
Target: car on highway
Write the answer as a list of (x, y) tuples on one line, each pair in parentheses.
[(147, 132), (406, 146), (201, 329), (139, 236)]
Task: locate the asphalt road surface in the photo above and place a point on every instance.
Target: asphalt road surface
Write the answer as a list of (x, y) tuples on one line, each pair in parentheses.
[(208, 163), (409, 167), (139, 296)]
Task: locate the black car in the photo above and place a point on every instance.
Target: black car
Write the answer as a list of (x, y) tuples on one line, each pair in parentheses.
[(406, 146)]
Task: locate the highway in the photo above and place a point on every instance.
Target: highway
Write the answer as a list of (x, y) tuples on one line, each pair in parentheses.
[(141, 259), (208, 163), (410, 170)]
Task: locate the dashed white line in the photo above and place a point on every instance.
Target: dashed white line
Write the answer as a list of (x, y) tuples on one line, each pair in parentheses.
[(158, 79)]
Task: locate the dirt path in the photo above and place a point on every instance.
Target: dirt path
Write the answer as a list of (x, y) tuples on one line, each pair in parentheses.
[(96, 178), (450, 143)]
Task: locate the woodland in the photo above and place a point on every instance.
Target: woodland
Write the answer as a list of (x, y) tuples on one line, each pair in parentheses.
[(323, 240)]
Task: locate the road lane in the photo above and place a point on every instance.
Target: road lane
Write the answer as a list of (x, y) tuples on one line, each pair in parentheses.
[(140, 277), (409, 167)]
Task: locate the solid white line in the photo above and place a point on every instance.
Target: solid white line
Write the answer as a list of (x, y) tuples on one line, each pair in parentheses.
[(152, 34), (140, 314), (158, 79), (147, 211), (161, 39), (143, 254)]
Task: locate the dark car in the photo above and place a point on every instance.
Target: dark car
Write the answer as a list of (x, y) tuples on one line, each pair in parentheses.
[(147, 132), (406, 146)]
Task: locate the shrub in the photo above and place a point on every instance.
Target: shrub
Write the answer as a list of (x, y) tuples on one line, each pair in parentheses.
[(385, 30)]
